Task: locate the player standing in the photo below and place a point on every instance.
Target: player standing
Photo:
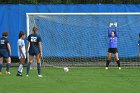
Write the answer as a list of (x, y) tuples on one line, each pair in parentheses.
[(5, 52), (112, 35), (21, 52), (139, 45), (35, 49)]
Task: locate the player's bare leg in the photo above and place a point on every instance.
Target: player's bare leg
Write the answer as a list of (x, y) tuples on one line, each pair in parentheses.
[(139, 52), (1, 62), (117, 60), (38, 64), (22, 61), (29, 64), (108, 60), (8, 65)]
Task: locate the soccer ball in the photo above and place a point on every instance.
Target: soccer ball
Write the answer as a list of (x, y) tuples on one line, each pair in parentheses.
[(66, 69)]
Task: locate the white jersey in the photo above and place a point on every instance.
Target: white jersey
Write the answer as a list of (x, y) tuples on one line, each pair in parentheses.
[(22, 45)]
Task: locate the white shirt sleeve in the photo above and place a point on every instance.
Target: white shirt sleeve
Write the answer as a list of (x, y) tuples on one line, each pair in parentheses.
[(20, 43)]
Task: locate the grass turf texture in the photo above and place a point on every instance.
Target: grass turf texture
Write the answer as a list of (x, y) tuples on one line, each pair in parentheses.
[(77, 80)]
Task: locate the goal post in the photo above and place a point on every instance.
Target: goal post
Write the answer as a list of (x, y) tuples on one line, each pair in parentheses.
[(80, 39)]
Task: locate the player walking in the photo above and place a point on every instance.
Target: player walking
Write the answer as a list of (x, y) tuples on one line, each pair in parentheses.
[(5, 52), (35, 49), (112, 35), (21, 52), (139, 46)]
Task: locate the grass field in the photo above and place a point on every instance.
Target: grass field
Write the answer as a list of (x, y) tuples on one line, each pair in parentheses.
[(77, 80)]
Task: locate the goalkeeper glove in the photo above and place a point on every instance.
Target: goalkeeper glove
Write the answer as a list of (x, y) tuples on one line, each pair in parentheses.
[(115, 24), (111, 24)]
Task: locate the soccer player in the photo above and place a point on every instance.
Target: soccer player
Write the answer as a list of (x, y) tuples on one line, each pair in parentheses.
[(112, 35), (5, 52), (35, 49), (139, 45), (21, 52)]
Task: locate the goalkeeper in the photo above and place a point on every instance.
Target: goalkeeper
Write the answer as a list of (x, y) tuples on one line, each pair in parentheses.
[(112, 35)]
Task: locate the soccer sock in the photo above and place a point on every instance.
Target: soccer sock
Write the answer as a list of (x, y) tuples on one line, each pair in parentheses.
[(8, 65), (107, 63), (0, 67), (28, 67), (20, 68), (38, 68), (118, 62)]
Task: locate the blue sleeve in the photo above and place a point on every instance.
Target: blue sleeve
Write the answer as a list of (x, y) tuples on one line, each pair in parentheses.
[(109, 34), (29, 38), (116, 32), (39, 39), (7, 41)]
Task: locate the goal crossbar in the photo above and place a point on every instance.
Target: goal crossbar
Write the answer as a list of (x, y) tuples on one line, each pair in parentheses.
[(102, 13)]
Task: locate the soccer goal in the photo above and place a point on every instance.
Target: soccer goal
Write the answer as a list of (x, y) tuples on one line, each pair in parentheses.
[(80, 39)]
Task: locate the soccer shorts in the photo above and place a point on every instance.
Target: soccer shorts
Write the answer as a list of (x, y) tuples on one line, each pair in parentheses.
[(21, 56), (34, 52), (112, 50), (4, 53)]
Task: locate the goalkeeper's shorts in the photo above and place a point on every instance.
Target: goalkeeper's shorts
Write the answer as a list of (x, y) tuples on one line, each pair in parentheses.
[(112, 50)]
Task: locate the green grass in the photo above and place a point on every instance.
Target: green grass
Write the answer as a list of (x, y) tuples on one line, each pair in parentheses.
[(77, 80)]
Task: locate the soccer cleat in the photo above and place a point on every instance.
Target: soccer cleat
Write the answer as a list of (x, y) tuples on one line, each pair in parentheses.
[(19, 74), (40, 76), (27, 75), (106, 68), (8, 73), (119, 68)]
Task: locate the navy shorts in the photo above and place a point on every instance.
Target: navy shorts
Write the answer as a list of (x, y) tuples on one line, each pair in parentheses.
[(4, 53), (34, 52), (113, 50)]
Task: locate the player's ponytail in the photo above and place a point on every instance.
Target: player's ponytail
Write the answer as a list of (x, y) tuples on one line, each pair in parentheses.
[(35, 30)]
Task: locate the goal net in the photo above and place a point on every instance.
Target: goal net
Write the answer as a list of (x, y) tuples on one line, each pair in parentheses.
[(80, 39)]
